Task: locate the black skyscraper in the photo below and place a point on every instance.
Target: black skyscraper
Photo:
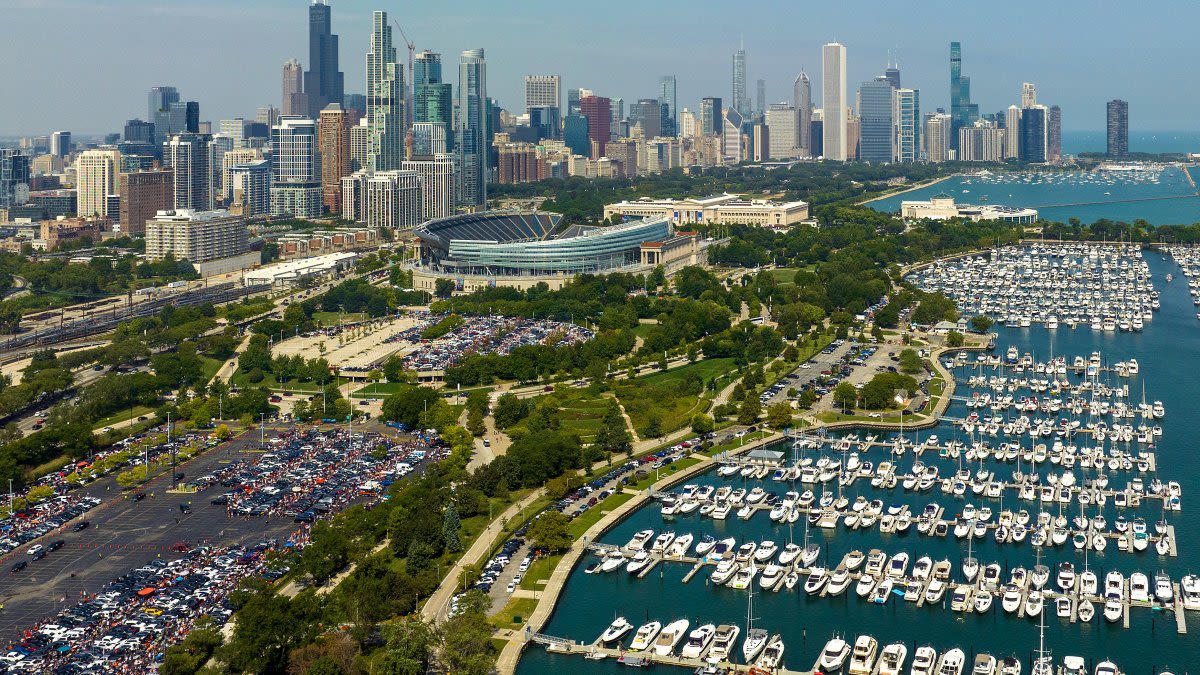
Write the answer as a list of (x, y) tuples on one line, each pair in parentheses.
[(1118, 128), (323, 83)]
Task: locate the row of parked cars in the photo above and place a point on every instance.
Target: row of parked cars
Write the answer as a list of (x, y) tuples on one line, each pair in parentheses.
[(39, 520)]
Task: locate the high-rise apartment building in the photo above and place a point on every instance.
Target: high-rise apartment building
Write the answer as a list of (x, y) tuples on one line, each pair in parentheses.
[(1033, 134), (1028, 95), (229, 159), (981, 142), (760, 88), (324, 83), (741, 97), (60, 143), (333, 141), (542, 91), (802, 101), (433, 101), (143, 194), (963, 113), (877, 126), (250, 188), (360, 145), (1054, 134), (235, 130), (937, 137), (385, 98), (1012, 132), (295, 174), (438, 182), (907, 118), (471, 134), (383, 199), (688, 125), (711, 115), (429, 138), (295, 102), (833, 102), (598, 112), (96, 174), (191, 156), (14, 178), (781, 123), (1118, 128), (196, 236)]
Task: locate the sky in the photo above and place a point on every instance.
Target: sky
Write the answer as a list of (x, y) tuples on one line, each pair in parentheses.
[(86, 65)]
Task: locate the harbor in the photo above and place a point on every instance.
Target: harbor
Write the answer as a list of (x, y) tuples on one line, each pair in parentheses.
[(1125, 600)]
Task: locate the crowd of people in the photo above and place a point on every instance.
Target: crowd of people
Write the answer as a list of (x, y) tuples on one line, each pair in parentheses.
[(41, 519)]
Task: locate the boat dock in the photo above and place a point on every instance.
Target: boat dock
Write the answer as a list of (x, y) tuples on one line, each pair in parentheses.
[(595, 650)]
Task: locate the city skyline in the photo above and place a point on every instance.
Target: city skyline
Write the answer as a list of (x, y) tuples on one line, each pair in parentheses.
[(253, 41)]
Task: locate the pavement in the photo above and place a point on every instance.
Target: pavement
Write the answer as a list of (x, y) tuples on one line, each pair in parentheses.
[(809, 371)]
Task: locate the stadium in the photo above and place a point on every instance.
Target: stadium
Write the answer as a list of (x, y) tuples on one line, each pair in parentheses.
[(523, 248)]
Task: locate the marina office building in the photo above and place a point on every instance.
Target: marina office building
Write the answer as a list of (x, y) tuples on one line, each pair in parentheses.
[(942, 207)]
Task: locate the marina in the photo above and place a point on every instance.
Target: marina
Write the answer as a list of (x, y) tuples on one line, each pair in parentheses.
[(1121, 470)]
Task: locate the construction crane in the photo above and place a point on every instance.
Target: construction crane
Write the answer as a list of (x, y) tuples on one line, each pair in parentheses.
[(410, 86)]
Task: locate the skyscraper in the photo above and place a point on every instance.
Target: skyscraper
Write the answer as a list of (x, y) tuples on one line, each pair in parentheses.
[(96, 173), (802, 100), (781, 120), (1054, 134), (647, 112), (575, 135), (937, 137), (710, 116), (60, 143), (598, 112), (295, 175), (1028, 94), (1033, 134), (323, 83), (741, 98), (963, 113), (833, 101), (439, 184), (433, 99), (875, 118), (142, 195), (1012, 132), (472, 133), (666, 96), (907, 118), (1118, 128), (760, 96), (295, 102), (333, 138), (385, 98), (160, 98), (14, 178), (892, 74), (191, 156), (542, 91)]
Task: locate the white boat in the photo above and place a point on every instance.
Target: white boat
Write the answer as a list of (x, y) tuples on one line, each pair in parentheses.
[(698, 641), (1074, 665), (772, 656), (644, 638), (935, 591), (789, 554), (723, 641), (1189, 591), (616, 630), (985, 664), (670, 636), (639, 540), (756, 642), (1113, 610), (638, 562), (924, 661), (833, 657), (1086, 610), (771, 575), (983, 601), (612, 561), (862, 659), (839, 581), (866, 584), (1163, 591), (1033, 603), (898, 565), (952, 662), (766, 551), (1139, 587), (891, 659), (817, 578)]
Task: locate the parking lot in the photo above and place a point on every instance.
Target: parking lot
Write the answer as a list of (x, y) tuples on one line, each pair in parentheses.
[(808, 372)]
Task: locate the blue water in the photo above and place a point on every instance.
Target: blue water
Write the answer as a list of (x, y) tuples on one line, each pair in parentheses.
[(1158, 142), (1169, 347), (1045, 190)]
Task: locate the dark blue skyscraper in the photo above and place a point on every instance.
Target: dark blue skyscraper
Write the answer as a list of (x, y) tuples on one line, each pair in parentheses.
[(876, 128), (1033, 134), (432, 98), (963, 113), (323, 83), (472, 126)]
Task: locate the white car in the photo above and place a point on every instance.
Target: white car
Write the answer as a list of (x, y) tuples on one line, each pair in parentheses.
[(35, 549), (806, 366)]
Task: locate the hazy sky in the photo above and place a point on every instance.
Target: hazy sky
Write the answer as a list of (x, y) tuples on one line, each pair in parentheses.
[(86, 65)]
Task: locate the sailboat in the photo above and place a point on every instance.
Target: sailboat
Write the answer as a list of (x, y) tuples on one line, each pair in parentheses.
[(1042, 665), (756, 638)]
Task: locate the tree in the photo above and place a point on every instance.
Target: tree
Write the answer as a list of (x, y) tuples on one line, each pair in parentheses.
[(779, 415), (510, 410), (980, 323), (910, 362), (653, 428), (845, 395), (407, 405), (443, 288), (222, 433), (375, 376), (807, 398), (467, 645), (750, 410), (880, 392), (702, 424), (613, 437), (954, 339), (549, 531), (450, 527)]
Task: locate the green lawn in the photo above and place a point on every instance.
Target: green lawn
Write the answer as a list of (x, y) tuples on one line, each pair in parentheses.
[(669, 395), (239, 379), (515, 613), (123, 416), (333, 318), (662, 473), (643, 329), (377, 390), (593, 515), (539, 570), (209, 368), (735, 444)]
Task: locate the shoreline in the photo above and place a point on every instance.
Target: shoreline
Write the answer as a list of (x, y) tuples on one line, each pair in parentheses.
[(918, 186)]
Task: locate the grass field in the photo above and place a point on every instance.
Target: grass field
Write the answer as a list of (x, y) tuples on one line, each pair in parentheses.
[(333, 318), (209, 368), (540, 570), (515, 613), (377, 390), (123, 416), (666, 394), (239, 379), (594, 514)]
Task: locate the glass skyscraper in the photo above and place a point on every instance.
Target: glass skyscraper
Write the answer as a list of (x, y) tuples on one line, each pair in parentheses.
[(385, 98), (875, 120), (907, 118), (472, 126), (1118, 128), (323, 83), (741, 98), (433, 99), (666, 96), (963, 113)]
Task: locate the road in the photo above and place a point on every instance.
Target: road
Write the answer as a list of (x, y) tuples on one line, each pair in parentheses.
[(83, 378)]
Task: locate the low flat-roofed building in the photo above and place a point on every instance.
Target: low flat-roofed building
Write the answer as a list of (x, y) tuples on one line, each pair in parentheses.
[(942, 207), (303, 244), (724, 209), (54, 233), (287, 273)]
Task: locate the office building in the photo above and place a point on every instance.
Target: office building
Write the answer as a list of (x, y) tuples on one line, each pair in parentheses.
[(250, 188), (741, 98), (1028, 95), (471, 135), (598, 112), (907, 117), (160, 98), (360, 145), (542, 91), (235, 130), (623, 151), (383, 199), (439, 184), (1118, 128), (981, 142), (760, 142), (546, 121), (726, 209), (268, 116), (433, 103), (833, 102), (876, 124), (647, 113), (937, 137), (196, 236), (618, 127), (333, 141), (781, 123), (14, 178), (574, 96), (733, 148), (385, 98), (1033, 134), (1053, 134), (295, 102), (710, 116), (60, 143), (576, 136), (143, 194), (802, 101), (138, 131), (667, 97), (324, 83), (688, 126), (179, 117), (892, 75), (295, 169), (963, 113), (95, 179), (357, 103), (1012, 132)]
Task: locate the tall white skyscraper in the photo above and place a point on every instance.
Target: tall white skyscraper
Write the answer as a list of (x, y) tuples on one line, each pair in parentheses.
[(907, 118), (385, 98), (471, 123), (1012, 132), (802, 100), (833, 101), (95, 179), (1028, 94), (294, 100), (295, 168), (741, 98), (542, 91), (937, 137), (782, 137)]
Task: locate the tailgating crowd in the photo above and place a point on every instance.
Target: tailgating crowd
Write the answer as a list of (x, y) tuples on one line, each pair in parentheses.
[(39, 520), (483, 335)]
